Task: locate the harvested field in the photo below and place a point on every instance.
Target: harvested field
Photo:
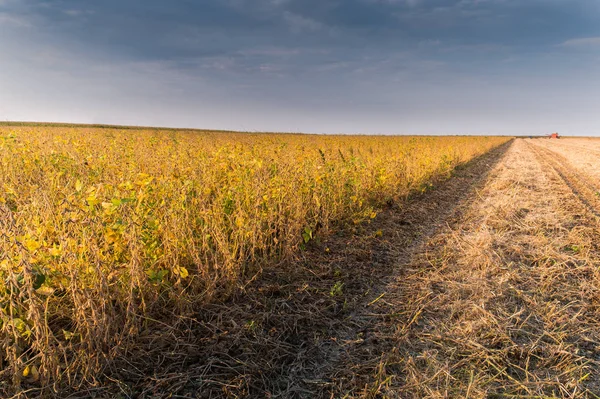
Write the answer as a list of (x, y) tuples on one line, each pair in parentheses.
[(115, 243), (485, 286), (503, 301)]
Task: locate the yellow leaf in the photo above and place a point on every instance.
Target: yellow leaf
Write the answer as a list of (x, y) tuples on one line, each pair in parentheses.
[(44, 290), (111, 236), (55, 251), (9, 190), (78, 185), (21, 327), (26, 371), (92, 200), (109, 208), (183, 272), (144, 179), (32, 245)]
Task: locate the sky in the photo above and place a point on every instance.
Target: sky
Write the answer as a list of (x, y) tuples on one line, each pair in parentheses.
[(323, 66)]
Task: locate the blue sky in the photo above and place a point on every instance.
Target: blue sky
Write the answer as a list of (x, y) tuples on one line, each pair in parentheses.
[(331, 66)]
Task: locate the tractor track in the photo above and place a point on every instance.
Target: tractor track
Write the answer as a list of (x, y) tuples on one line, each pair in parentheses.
[(582, 187), (594, 151), (467, 316)]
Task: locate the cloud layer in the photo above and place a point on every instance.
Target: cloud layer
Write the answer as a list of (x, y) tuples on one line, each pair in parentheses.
[(389, 66)]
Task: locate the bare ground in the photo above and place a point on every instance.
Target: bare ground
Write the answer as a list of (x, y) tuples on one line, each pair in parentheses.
[(487, 286), (504, 302)]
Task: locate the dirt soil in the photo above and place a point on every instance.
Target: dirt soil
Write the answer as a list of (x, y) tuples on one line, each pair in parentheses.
[(487, 286)]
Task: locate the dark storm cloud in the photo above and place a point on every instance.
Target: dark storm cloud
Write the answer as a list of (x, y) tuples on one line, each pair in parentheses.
[(388, 60), (157, 29)]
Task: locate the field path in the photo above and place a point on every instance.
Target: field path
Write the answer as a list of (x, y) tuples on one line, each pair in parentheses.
[(487, 286), (502, 303)]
